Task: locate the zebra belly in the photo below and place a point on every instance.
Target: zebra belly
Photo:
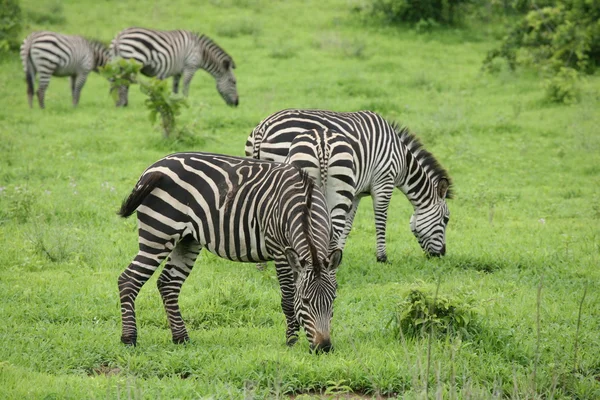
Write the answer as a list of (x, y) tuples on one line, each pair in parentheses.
[(238, 243)]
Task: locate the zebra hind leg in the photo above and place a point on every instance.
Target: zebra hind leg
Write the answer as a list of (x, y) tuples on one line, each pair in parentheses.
[(77, 82), (41, 92), (176, 270), (131, 281)]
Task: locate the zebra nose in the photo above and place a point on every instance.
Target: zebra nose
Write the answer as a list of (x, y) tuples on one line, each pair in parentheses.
[(236, 101), (322, 347), (443, 250)]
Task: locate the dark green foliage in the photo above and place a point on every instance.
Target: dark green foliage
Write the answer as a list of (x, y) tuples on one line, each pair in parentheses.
[(162, 102), (10, 25), (120, 72), (428, 12), (421, 313), (564, 35)]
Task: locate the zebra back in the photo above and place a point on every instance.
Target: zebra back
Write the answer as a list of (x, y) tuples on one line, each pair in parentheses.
[(328, 158), (387, 156)]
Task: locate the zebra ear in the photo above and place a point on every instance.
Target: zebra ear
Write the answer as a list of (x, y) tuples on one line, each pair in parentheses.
[(442, 188), (293, 260), (335, 259)]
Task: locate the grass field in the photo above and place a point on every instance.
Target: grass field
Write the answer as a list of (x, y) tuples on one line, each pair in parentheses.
[(523, 240)]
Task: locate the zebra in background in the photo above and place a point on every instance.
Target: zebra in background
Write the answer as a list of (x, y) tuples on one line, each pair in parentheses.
[(50, 53), (328, 158), (386, 156), (176, 53), (240, 209)]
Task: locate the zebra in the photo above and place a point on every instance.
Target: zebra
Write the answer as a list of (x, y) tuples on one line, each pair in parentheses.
[(328, 158), (50, 53), (386, 156), (240, 209), (176, 53)]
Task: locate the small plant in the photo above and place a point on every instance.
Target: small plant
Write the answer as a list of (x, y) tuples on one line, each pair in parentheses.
[(162, 102), (563, 87), (120, 72), (421, 313), (10, 25)]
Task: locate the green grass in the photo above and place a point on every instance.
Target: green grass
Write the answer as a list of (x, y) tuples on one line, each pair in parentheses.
[(523, 240)]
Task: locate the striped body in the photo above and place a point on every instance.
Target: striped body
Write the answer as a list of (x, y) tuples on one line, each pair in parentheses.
[(385, 157), (328, 158), (239, 209), (176, 53), (49, 54)]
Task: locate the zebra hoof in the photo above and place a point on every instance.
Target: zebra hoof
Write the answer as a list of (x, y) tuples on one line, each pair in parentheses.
[(181, 339), (129, 340), (291, 341), (383, 259)]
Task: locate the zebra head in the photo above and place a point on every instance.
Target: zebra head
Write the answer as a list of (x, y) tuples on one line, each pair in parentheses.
[(316, 287), (428, 223), (226, 83)]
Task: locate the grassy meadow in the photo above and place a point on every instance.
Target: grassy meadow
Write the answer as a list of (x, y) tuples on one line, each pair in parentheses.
[(523, 243)]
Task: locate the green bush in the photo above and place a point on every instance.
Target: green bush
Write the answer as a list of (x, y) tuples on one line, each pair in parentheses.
[(120, 72), (445, 12), (10, 25), (421, 313), (563, 87), (564, 35), (162, 102)]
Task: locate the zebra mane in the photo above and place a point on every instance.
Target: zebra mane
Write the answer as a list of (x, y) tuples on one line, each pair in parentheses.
[(216, 50), (423, 157)]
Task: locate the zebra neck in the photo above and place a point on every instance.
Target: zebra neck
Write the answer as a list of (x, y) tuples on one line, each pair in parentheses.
[(415, 182)]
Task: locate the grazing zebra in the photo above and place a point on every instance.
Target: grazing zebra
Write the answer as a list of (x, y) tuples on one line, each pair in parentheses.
[(328, 158), (240, 209), (386, 156), (176, 53), (50, 53)]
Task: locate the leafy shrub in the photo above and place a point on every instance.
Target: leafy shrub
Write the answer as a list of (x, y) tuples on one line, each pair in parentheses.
[(10, 25), (446, 12), (421, 313), (564, 35), (563, 88), (120, 72), (162, 102)]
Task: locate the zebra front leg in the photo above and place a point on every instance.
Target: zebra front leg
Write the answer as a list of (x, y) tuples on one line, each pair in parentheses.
[(382, 194), (130, 282), (77, 82), (123, 91), (177, 269), (176, 79), (288, 288), (188, 74)]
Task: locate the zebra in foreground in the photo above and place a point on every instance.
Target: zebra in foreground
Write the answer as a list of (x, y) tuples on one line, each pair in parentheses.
[(240, 209), (328, 158), (386, 156), (50, 53), (176, 53)]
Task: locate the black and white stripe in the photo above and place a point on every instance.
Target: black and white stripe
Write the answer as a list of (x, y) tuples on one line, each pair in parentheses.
[(240, 209), (176, 53), (53, 54), (328, 158), (386, 156)]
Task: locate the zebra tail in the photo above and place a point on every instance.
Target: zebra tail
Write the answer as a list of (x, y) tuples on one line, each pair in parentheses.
[(144, 187), (28, 65)]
